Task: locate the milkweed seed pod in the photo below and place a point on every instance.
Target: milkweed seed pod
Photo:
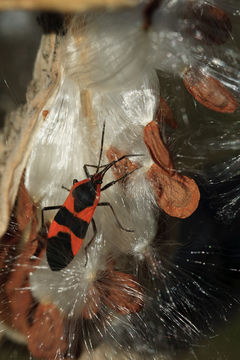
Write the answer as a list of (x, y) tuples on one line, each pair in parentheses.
[(163, 78)]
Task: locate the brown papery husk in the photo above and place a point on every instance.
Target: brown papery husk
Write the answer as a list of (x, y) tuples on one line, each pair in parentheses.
[(176, 194), (209, 92), (156, 147)]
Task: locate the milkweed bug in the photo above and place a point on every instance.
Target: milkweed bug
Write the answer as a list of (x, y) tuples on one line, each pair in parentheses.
[(69, 227)]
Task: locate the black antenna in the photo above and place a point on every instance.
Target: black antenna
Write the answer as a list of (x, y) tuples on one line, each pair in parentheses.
[(108, 166), (101, 149)]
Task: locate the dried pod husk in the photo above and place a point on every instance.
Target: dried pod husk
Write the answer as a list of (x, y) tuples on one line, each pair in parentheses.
[(156, 147), (208, 23), (25, 208), (17, 286), (22, 125), (176, 194), (17, 266), (8, 253), (122, 293), (164, 114), (46, 336), (209, 92)]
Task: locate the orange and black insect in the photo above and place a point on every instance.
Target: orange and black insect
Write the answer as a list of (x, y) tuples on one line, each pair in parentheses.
[(69, 227)]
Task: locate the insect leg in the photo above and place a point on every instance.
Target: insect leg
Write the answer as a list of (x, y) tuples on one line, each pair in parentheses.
[(115, 181), (114, 214), (49, 208), (93, 166), (65, 188), (93, 237)]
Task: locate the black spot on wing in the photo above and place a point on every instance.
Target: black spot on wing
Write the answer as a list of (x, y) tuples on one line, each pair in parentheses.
[(59, 251), (84, 195), (77, 226)]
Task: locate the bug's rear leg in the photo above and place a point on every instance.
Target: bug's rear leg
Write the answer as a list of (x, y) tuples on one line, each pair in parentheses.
[(65, 188), (46, 208), (114, 214), (92, 239)]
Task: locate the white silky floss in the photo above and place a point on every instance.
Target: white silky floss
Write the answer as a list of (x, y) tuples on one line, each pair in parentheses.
[(124, 93), (125, 114), (57, 154), (110, 50), (68, 288)]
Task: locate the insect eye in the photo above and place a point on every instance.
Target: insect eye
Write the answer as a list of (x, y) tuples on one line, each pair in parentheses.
[(75, 181)]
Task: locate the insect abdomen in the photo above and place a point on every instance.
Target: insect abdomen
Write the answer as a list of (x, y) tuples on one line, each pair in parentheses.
[(59, 251), (70, 225), (65, 238)]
